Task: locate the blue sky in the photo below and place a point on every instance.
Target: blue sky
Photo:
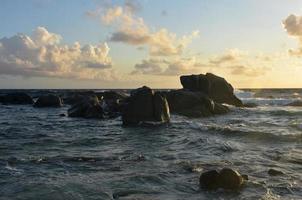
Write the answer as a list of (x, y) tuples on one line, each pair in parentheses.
[(251, 27)]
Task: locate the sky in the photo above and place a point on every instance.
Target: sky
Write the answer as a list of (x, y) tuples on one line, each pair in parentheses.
[(130, 43)]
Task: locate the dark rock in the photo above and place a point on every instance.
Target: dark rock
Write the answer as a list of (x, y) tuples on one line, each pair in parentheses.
[(295, 103), (250, 105), (193, 104), (217, 88), (111, 95), (230, 179), (90, 107), (62, 115), (227, 179), (209, 180), (16, 98), (143, 105), (48, 101), (77, 97), (274, 172)]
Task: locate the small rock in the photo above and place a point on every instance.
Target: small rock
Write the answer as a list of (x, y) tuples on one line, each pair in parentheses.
[(62, 115), (274, 172), (230, 179), (295, 103), (210, 180), (48, 101)]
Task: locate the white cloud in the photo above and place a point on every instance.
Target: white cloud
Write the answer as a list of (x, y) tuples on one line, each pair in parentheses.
[(293, 26), (231, 55), (132, 30), (41, 54)]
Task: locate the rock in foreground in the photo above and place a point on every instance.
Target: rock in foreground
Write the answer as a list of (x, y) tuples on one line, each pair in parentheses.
[(217, 88), (227, 179), (90, 107), (48, 101), (16, 98), (143, 106)]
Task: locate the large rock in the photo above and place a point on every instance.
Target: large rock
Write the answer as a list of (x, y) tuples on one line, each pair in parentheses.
[(16, 98), (193, 104), (90, 107), (48, 101), (114, 101), (217, 88), (143, 105), (227, 179), (76, 97)]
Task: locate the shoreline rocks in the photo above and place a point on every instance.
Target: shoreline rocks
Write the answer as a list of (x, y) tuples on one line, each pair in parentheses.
[(145, 105), (48, 101), (16, 98), (227, 179), (89, 107), (215, 87)]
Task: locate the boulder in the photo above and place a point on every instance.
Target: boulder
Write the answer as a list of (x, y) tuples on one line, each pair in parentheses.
[(295, 103), (77, 97), (48, 101), (143, 105), (16, 98), (113, 101), (250, 105), (90, 107), (217, 88), (193, 104), (227, 179)]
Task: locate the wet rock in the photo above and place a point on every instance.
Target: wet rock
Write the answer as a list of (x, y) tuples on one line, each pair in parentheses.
[(89, 107), (227, 179), (274, 172), (143, 105), (193, 104), (230, 179), (295, 103), (77, 97), (217, 88), (62, 115), (48, 101), (16, 98), (209, 180)]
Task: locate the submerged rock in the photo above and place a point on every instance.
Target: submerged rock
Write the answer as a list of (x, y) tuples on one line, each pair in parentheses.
[(274, 172), (227, 179), (193, 104), (295, 103), (89, 107), (16, 98), (217, 88), (48, 101), (143, 105), (250, 105)]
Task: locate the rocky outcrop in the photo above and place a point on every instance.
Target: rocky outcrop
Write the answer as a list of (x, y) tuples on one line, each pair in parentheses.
[(215, 87), (193, 104), (16, 98), (77, 97), (274, 172), (145, 105), (48, 101), (89, 107), (227, 179)]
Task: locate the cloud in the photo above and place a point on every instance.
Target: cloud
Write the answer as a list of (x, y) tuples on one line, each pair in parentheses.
[(168, 68), (293, 26), (42, 55), (132, 30), (231, 55), (249, 71)]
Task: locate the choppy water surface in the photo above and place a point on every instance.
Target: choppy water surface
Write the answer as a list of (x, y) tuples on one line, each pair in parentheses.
[(44, 156)]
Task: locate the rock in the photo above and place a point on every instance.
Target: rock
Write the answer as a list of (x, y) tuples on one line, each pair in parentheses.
[(295, 103), (48, 101), (274, 172), (230, 179), (16, 98), (217, 88), (113, 102), (62, 115), (227, 179), (193, 104), (209, 180), (90, 107), (77, 97), (143, 105), (111, 95), (250, 105)]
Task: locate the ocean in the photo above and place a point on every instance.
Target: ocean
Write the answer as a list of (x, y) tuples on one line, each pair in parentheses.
[(46, 156)]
